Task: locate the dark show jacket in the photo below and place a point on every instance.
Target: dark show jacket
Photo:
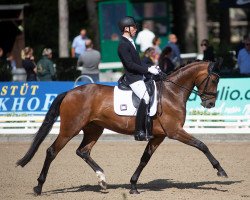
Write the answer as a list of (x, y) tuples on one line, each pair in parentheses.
[(134, 70), (29, 67)]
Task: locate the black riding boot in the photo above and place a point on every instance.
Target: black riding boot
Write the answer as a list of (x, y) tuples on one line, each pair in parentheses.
[(141, 127), (149, 126)]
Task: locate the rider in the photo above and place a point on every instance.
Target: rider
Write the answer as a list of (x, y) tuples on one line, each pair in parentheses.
[(134, 76)]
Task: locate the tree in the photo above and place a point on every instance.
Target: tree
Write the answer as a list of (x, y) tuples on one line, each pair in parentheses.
[(201, 22), (93, 21), (184, 24), (224, 26), (63, 28)]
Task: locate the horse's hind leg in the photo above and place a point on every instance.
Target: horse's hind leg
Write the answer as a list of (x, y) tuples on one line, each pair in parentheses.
[(184, 137), (51, 153), (150, 149), (91, 134)]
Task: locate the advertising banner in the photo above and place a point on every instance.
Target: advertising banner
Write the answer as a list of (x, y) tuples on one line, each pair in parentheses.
[(233, 98), (36, 97), (30, 97)]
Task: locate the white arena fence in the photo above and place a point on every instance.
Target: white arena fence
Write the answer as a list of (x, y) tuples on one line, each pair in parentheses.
[(195, 124)]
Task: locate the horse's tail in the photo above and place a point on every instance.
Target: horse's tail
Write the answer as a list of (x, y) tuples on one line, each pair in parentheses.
[(44, 130)]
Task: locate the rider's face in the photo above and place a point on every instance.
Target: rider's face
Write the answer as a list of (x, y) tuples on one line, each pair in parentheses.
[(132, 30)]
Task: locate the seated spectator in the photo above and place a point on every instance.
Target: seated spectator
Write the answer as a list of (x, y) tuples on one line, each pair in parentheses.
[(148, 58), (45, 67), (156, 46), (165, 62), (244, 58), (176, 54), (208, 51)]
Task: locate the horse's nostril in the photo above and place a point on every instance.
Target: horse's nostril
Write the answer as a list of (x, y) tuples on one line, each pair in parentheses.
[(211, 104)]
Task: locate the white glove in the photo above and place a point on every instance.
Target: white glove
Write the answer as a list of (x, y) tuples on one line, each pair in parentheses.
[(153, 70)]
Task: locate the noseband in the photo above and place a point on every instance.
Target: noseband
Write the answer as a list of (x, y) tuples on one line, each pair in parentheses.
[(205, 94)]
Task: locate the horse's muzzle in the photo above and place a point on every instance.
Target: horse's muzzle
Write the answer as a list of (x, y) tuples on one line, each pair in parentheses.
[(207, 104)]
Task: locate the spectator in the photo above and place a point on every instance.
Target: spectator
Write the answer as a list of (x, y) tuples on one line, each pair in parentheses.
[(176, 55), (165, 62), (208, 51), (115, 37), (2, 58), (244, 58), (45, 67), (5, 70), (148, 58), (145, 37), (29, 64), (89, 61), (11, 62), (156, 46), (78, 45), (241, 45)]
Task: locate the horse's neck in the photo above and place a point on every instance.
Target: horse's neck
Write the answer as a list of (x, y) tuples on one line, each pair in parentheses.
[(183, 80), (185, 76)]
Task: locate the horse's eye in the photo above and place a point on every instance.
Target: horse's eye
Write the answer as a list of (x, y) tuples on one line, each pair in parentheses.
[(215, 81)]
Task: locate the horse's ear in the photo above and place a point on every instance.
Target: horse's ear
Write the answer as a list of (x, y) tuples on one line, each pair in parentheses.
[(217, 65)]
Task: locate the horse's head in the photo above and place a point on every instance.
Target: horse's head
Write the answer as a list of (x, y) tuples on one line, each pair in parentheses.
[(207, 84)]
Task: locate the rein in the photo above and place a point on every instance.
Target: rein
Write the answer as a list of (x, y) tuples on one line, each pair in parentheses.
[(204, 95)]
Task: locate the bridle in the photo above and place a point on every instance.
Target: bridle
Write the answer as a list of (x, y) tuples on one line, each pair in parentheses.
[(204, 95)]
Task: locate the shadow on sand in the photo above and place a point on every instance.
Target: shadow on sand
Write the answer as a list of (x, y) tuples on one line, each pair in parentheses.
[(156, 185)]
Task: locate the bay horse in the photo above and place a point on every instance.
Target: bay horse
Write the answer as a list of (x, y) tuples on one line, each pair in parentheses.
[(90, 108)]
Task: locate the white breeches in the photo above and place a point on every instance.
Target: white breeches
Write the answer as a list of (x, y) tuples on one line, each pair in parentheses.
[(139, 88)]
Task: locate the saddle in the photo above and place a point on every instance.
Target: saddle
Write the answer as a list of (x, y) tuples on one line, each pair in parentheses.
[(123, 85), (126, 102)]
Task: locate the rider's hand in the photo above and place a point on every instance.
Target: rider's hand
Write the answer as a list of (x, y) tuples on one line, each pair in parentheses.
[(153, 70)]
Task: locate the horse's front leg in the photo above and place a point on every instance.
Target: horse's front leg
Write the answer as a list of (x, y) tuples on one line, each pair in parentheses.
[(92, 133), (150, 149), (182, 136)]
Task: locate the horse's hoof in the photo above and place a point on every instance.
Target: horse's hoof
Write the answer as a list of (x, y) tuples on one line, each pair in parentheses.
[(103, 184), (222, 174), (37, 190), (102, 179), (133, 191)]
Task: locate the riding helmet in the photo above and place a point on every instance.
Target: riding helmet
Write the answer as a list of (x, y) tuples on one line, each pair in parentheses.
[(126, 22)]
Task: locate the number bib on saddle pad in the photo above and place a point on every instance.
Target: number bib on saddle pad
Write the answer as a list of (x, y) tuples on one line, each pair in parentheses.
[(126, 102)]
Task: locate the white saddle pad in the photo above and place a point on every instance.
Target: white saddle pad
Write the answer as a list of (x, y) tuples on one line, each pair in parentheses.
[(123, 104)]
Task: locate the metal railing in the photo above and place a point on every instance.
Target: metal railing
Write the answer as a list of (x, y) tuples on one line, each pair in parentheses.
[(83, 76)]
